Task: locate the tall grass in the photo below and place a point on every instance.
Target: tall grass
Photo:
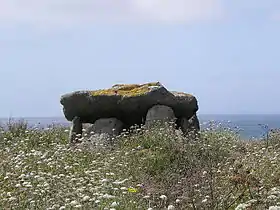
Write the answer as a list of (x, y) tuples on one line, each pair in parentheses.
[(157, 168)]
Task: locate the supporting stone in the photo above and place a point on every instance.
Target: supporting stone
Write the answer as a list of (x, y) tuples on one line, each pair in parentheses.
[(189, 126), (75, 130), (103, 130), (159, 114), (111, 126)]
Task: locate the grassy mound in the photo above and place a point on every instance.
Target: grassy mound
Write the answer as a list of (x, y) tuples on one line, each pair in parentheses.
[(155, 169)]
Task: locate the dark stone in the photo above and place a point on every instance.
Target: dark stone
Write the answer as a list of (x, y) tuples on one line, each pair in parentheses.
[(128, 103)]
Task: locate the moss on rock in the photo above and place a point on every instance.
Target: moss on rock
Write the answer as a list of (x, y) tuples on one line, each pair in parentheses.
[(127, 89)]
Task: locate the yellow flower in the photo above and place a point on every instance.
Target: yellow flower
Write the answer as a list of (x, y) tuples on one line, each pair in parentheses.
[(132, 190)]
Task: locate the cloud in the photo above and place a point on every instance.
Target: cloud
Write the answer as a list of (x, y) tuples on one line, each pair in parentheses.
[(71, 12)]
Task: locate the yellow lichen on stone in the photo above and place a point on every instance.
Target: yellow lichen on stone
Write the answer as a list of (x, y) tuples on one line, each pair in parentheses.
[(126, 89)]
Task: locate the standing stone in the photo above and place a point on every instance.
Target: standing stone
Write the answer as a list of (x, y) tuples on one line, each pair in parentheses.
[(159, 114), (76, 129), (111, 126), (189, 125)]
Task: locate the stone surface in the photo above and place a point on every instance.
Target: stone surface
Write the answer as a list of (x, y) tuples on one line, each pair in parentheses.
[(191, 124), (76, 128), (111, 126), (159, 114), (128, 103)]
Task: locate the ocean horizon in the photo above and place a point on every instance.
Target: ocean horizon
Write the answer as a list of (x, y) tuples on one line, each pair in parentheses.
[(248, 126)]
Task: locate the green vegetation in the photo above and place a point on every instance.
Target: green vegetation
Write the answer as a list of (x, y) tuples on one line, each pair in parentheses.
[(155, 169)]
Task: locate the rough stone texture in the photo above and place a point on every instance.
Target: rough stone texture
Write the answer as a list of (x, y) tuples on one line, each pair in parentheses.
[(159, 113), (191, 124), (111, 126), (76, 128), (128, 103), (86, 126)]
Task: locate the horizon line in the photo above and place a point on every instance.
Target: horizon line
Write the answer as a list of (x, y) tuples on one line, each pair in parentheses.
[(217, 114)]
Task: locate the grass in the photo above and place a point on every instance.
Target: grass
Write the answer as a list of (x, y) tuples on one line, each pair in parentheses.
[(155, 169)]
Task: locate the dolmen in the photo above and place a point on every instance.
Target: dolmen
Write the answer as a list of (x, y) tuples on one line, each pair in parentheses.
[(122, 106)]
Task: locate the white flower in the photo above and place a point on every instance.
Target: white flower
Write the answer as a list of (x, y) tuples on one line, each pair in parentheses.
[(74, 203), (108, 196), (171, 207), (272, 197), (86, 198), (242, 206), (114, 204), (21, 176), (150, 208), (274, 208), (12, 198), (120, 182), (204, 200), (104, 180), (163, 197)]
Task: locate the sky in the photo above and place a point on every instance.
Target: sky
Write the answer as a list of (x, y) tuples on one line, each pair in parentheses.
[(224, 52)]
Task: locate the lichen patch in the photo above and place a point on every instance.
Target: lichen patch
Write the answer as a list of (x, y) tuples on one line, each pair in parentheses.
[(127, 89)]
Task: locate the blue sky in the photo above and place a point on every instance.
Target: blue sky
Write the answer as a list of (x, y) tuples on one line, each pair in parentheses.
[(226, 53)]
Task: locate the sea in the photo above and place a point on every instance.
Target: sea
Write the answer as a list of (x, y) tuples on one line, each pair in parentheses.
[(247, 126)]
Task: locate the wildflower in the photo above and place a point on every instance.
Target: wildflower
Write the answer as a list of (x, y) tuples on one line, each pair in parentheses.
[(163, 197), (171, 207), (86, 198), (132, 190), (74, 203), (12, 199), (242, 206), (177, 201), (274, 208), (114, 204), (108, 196), (104, 180), (120, 182), (204, 200)]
